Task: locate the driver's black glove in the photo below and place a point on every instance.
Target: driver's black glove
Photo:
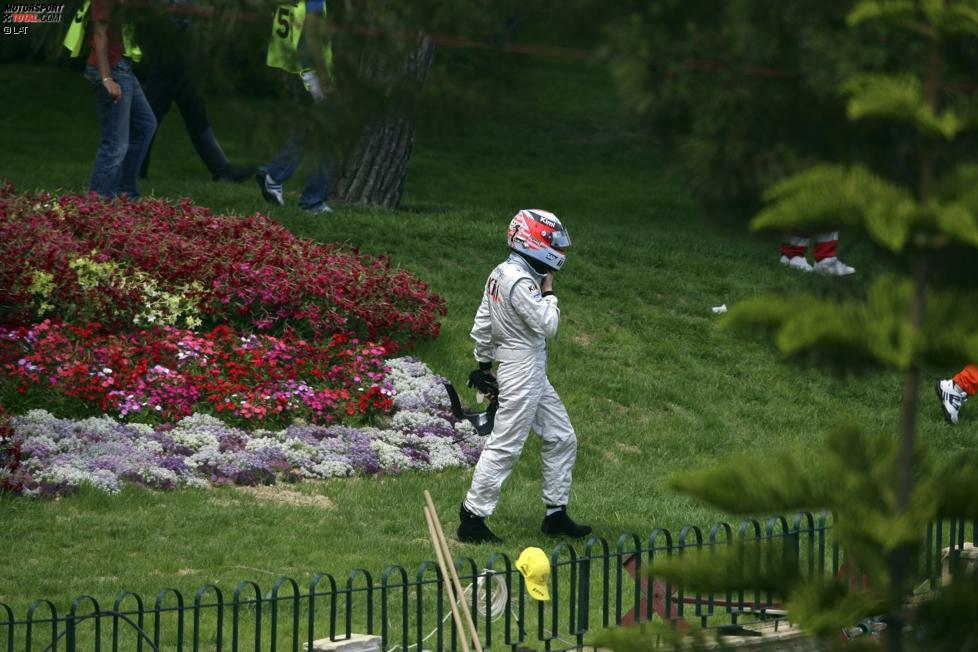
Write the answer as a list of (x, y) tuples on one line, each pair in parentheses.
[(484, 381)]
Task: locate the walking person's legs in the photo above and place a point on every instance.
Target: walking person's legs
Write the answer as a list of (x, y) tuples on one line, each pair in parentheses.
[(520, 385), (142, 128), (161, 82), (113, 120), (826, 260), (558, 453), (280, 169), (319, 164), (794, 246), (319, 172), (193, 108), (967, 379)]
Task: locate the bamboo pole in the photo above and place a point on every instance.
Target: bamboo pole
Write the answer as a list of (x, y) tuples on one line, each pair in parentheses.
[(440, 557), (447, 554)]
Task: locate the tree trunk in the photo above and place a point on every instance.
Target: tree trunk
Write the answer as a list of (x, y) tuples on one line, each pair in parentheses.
[(900, 558), (373, 170)]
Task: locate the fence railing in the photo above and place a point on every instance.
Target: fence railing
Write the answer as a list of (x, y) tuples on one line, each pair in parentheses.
[(599, 586)]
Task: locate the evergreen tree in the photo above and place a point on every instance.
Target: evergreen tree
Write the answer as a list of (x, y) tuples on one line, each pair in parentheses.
[(882, 491)]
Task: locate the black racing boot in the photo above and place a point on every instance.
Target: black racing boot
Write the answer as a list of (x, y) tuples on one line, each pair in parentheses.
[(473, 529), (560, 524)]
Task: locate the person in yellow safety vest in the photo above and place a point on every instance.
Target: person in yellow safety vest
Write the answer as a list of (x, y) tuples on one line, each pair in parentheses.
[(125, 119), (299, 45)]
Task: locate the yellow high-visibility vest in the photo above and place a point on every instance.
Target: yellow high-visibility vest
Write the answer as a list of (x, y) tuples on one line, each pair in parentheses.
[(283, 49), (75, 37)]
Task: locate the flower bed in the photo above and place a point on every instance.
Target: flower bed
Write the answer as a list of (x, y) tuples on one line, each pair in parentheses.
[(44, 455), (154, 262), (217, 349), (165, 373)]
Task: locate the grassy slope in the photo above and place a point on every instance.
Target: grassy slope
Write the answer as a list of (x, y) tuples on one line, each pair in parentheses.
[(652, 385)]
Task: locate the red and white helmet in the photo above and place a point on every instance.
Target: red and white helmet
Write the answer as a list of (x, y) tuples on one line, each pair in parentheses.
[(539, 235)]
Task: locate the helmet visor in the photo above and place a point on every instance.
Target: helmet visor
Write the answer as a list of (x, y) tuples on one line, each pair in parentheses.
[(560, 238)]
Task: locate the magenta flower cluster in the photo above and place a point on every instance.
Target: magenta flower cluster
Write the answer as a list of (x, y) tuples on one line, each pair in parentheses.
[(84, 258)]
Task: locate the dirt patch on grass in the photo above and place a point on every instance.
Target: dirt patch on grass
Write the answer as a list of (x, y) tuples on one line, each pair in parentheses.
[(610, 457), (281, 496), (583, 339), (628, 448)]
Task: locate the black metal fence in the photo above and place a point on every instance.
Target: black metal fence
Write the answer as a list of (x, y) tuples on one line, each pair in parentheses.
[(600, 585)]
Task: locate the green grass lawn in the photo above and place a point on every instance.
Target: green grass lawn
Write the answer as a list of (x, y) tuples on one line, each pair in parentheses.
[(652, 385)]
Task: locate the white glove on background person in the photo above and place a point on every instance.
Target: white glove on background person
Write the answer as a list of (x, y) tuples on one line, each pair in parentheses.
[(311, 81)]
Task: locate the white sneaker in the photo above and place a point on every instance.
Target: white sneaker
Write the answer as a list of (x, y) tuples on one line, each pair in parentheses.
[(833, 267), (271, 190), (796, 262), (952, 398), (319, 209)]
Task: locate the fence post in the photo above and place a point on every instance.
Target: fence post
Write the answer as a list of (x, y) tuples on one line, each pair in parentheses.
[(714, 543), (317, 578), (273, 634), (384, 584), (439, 602), (507, 574), (473, 576), (70, 623), (9, 623), (236, 610), (140, 624), (157, 611), (741, 536), (350, 579), (666, 614), (198, 597), (54, 623), (681, 606), (584, 616), (786, 538), (555, 589)]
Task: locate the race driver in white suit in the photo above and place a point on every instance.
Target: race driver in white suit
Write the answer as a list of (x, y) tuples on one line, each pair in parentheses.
[(516, 317)]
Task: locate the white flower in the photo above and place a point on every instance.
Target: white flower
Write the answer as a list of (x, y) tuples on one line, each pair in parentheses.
[(330, 469)]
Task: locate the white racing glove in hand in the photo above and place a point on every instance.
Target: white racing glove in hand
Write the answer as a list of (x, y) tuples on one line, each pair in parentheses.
[(315, 87)]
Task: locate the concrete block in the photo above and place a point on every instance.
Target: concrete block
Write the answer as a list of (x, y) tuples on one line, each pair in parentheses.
[(356, 643)]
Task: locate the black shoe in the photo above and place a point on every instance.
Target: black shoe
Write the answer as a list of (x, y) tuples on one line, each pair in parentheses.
[(560, 524), (473, 529), (234, 175)]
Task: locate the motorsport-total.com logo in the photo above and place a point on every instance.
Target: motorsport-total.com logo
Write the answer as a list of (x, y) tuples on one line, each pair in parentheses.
[(19, 16)]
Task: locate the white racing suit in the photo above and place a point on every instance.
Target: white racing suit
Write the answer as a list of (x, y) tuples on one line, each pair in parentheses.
[(512, 326)]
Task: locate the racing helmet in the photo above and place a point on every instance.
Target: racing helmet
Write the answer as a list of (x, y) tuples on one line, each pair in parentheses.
[(539, 237)]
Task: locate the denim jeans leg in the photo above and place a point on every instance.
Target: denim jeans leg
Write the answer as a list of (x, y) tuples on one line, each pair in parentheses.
[(287, 161), (142, 128), (319, 172), (113, 120)]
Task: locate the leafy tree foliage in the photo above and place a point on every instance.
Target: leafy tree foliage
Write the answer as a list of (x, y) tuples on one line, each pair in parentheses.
[(746, 92), (882, 490), (394, 64)]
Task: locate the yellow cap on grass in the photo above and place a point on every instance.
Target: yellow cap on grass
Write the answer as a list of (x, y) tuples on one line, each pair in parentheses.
[(534, 565)]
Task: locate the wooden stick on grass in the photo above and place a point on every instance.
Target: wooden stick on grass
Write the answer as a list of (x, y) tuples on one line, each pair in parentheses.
[(447, 556), (440, 557)]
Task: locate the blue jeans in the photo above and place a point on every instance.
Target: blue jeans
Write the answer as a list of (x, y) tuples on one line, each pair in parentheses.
[(127, 129), (302, 144)]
